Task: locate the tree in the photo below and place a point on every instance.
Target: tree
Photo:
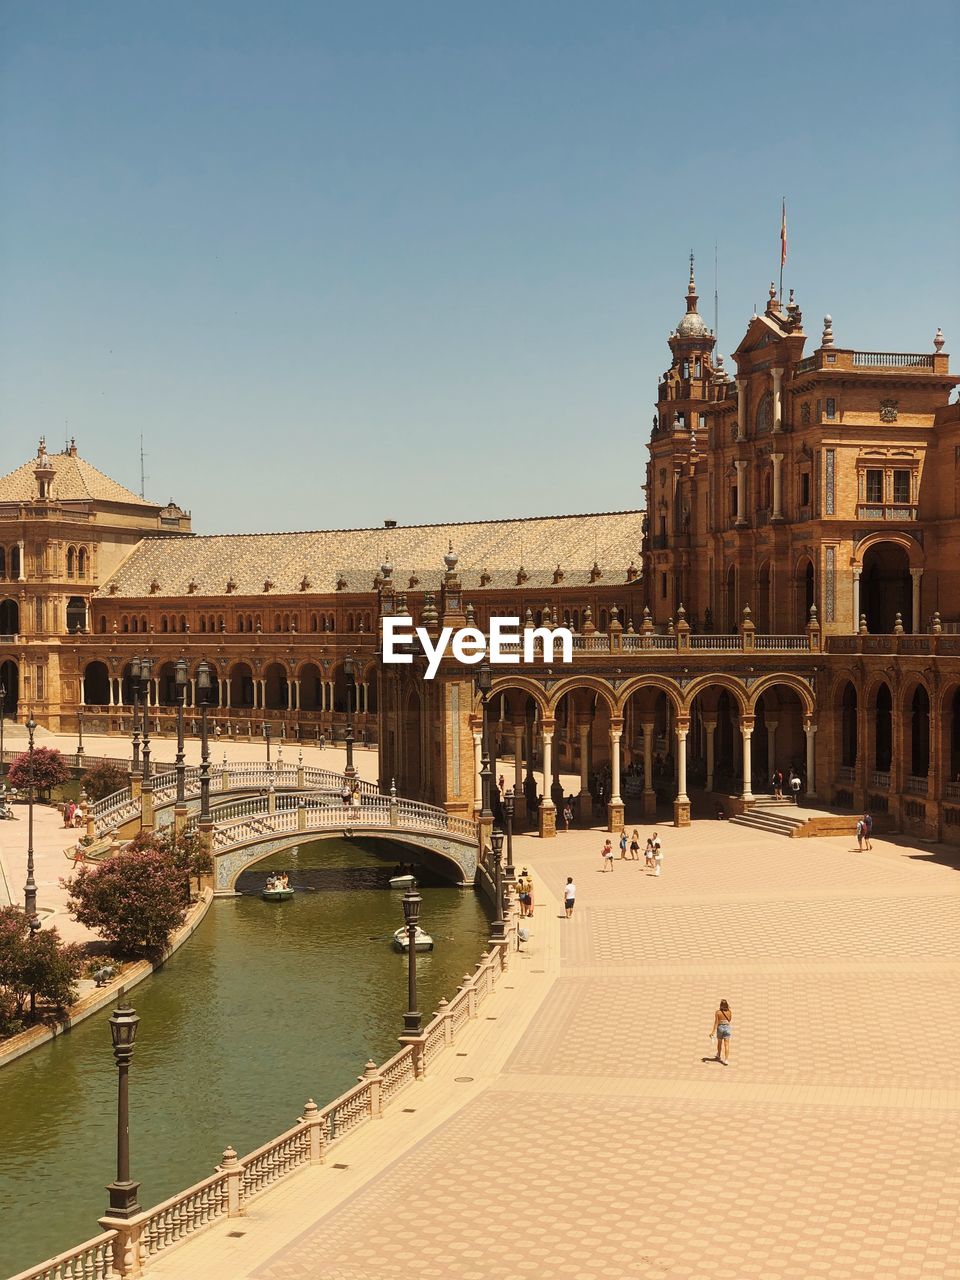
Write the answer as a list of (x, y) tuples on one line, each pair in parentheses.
[(49, 771), (34, 966), (187, 850), (135, 900), (104, 779)]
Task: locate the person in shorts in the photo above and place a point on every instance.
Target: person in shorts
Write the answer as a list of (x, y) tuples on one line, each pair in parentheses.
[(606, 853), (569, 896)]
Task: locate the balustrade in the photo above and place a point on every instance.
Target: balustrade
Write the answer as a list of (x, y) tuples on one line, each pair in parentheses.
[(92, 1260), (880, 780)]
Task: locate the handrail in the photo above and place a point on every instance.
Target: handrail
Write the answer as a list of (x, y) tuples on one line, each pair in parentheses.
[(92, 1260)]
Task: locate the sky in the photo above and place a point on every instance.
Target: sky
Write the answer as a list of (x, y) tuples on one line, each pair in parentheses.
[(340, 263)]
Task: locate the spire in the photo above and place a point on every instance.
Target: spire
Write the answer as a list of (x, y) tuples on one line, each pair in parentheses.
[(692, 325), (692, 297)]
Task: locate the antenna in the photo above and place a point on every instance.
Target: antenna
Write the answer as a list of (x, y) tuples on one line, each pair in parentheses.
[(143, 474), (716, 294)]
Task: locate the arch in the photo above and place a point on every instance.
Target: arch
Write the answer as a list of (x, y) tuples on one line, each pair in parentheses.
[(729, 684), (910, 545), (276, 687), (71, 562), (882, 728), (886, 586), (76, 614), (412, 734), (920, 731), (311, 687), (503, 684), (846, 704), (10, 679), (16, 561), (9, 617), (3, 561), (240, 679), (731, 612), (764, 417), (96, 684), (83, 557), (804, 592), (164, 623), (794, 683)]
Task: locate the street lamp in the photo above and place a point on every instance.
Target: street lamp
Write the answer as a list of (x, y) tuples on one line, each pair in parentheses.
[(484, 679), (123, 1193), (348, 671), (266, 734), (135, 735), (412, 1021), (509, 803), (203, 693), (181, 676), (3, 712), (497, 931), (30, 888), (145, 666)]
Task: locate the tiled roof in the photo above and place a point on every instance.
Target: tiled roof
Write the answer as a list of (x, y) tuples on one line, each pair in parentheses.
[(75, 480), (498, 547)]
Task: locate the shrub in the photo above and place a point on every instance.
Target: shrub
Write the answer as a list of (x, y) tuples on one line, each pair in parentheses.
[(41, 966), (49, 771), (104, 779), (185, 849), (135, 900)]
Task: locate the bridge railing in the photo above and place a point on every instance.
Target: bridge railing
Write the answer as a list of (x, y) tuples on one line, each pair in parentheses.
[(237, 1181)]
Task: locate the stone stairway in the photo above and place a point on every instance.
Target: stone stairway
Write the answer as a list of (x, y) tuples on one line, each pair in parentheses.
[(780, 817)]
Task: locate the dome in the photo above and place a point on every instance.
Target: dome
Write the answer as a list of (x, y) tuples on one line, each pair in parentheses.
[(692, 326)]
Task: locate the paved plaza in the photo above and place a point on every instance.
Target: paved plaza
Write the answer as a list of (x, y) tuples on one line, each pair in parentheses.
[(576, 1131)]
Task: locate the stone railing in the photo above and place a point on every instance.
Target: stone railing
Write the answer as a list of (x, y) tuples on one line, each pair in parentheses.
[(915, 786), (126, 1250), (783, 644), (880, 780), (892, 360)]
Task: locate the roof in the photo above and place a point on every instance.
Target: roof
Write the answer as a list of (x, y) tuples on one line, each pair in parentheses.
[(286, 560), (74, 480)]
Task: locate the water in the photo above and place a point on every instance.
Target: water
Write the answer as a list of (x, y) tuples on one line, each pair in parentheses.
[(266, 1005)]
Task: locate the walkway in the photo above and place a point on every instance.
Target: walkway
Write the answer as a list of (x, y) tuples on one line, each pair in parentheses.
[(575, 1131)]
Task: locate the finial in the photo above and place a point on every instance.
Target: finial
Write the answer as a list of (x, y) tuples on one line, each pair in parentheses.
[(692, 285), (826, 339), (938, 340), (451, 558), (936, 626), (864, 629), (773, 292)]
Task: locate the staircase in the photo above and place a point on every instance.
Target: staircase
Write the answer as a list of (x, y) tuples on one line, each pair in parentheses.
[(780, 817)]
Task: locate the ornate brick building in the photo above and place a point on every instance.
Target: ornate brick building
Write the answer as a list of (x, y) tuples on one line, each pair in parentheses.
[(798, 603)]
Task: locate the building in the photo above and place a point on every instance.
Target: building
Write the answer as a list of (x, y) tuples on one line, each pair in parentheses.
[(797, 605)]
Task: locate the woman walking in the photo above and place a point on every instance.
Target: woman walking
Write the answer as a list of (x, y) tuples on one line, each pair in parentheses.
[(635, 846), (606, 853), (623, 843), (721, 1029)]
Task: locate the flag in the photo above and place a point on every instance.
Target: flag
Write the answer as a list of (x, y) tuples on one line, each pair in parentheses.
[(783, 233)]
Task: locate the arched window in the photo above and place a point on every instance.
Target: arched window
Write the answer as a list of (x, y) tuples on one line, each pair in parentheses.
[(76, 614), (134, 624), (883, 730), (143, 624), (920, 733), (82, 558), (3, 562), (203, 622), (313, 622), (71, 562), (765, 414), (125, 623), (164, 623), (103, 624)]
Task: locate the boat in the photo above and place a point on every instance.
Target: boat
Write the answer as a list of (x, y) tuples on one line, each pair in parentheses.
[(402, 942), (276, 895), (402, 882)]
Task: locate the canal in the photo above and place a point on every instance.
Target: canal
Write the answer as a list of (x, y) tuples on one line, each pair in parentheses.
[(265, 1006)]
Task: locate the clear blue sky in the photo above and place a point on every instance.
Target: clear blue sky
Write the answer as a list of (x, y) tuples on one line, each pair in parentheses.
[(346, 261)]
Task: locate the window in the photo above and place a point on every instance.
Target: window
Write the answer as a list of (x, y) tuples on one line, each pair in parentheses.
[(686, 369), (874, 484), (831, 407), (41, 694), (765, 413), (698, 368), (733, 501), (805, 489), (663, 586), (901, 487), (38, 614)]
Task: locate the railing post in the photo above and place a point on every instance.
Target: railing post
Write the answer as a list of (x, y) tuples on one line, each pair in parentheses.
[(316, 1125), (224, 779), (146, 809), (371, 1074), (301, 814), (443, 1011), (417, 1044), (136, 785), (126, 1247), (471, 995), (231, 1166)]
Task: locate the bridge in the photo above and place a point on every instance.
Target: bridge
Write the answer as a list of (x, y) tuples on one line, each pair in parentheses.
[(278, 806)]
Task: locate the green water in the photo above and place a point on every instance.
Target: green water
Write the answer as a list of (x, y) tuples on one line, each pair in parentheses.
[(266, 1005)]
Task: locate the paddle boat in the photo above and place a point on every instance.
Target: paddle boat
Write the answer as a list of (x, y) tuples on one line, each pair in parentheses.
[(277, 889), (401, 940), (402, 882)]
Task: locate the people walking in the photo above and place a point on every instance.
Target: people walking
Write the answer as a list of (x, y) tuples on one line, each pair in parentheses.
[(606, 853), (657, 857), (623, 843), (777, 781), (861, 832), (567, 815), (525, 893), (721, 1030), (635, 846), (868, 830), (569, 896), (648, 852), (795, 785)]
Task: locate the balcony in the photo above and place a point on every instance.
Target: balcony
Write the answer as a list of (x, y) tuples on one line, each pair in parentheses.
[(880, 780), (915, 786), (900, 511), (891, 360), (847, 773)]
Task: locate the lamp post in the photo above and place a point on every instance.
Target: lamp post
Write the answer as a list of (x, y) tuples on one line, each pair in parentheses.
[(30, 888), (412, 1022), (509, 802), (203, 692), (79, 733), (484, 685), (122, 1192), (34, 923), (348, 671), (266, 734), (135, 691), (181, 676), (3, 712), (145, 666), (497, 929)]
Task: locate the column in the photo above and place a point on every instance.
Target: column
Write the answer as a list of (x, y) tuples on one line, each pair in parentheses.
[(741, 466), (477, 780), (296, 694), (548, 814), (741, 408), (709, 729), (777, 376), (583, 727), (225, 693), (615, 806), (856, 601), (110, 701), (263, 695), (916, 575), (23, 560), (681, 806), (772, 746), (518, 729), (777, 513), (810, 729), (746, 733), (649, 794)]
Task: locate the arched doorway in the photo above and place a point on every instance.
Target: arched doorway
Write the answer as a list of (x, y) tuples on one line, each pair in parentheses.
[(9, 618), (582, 756), (276, 688), (76, 614), (882, 729), (804, 593), (886, 588), (311, 687), (764, 620), (920, 733), (412, 782), (848, 725), (10, 679), (96, 685), (241, 686), (730, 615)]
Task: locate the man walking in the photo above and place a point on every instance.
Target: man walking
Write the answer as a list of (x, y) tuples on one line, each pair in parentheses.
[(795, 785), (569, 896)]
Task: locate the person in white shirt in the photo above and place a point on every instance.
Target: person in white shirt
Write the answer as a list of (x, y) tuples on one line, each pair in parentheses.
[(569, 896)]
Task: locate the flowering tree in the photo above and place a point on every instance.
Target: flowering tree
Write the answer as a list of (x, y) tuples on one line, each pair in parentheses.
[(49, 771), (135, 900), (187, 851), (34, 967), (104, 779)]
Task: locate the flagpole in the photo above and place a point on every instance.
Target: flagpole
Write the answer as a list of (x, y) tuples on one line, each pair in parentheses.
[(783, 242)]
